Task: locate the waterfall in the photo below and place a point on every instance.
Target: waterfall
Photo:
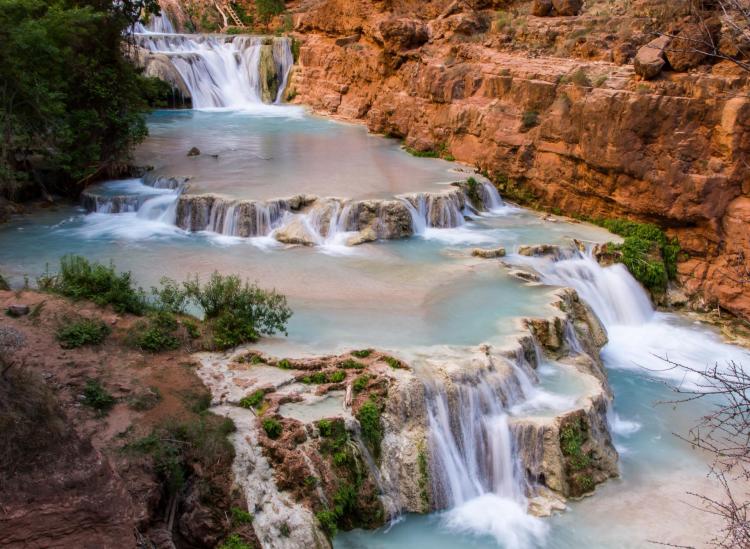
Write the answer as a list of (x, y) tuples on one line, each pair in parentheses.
[(435, 210), (157, 24), (612, 292), (475, 470), (162, 208), (490, 197), (220, 71)]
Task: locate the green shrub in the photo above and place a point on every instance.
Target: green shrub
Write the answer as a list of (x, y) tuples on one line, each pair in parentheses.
[(317, 378), (170, 296), (96, 396), (337, 377), (362, 353), (646, 251), (80, 279), (325, 427), (284, 364), (295, 47), (360, 384), (351, 364), (328, 522), (393, 362), (240, 311), (369, 421), (82, 332), (157, 334), (530, 119), (422, 154), (241, 516), (234, 542), (572, 437), (580, 78), (253, 400), (272, 427), (192, 329)]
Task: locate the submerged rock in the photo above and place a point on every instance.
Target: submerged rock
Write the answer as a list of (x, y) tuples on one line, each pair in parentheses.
[(194, 151), (488, 254)]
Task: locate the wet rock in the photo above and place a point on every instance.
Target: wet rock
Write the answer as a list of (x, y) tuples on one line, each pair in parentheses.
[(539, 250), (270, 79), (295, 232), (567, 7), (541, 8), (526, 276), (488, 253), (17, 310), (650, 60), (366, 235), (194, 151)]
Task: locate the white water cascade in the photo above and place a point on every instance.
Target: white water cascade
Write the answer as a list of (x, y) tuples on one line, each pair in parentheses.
[(219, 71), (475, 470)]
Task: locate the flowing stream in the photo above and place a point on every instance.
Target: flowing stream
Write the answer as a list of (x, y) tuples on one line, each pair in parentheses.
[(420, 295)]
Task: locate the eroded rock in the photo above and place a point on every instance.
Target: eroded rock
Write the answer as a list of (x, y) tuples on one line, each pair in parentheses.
[(650, 59)]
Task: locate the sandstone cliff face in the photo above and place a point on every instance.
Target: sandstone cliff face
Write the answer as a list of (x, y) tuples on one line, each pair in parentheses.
[(579, 133)]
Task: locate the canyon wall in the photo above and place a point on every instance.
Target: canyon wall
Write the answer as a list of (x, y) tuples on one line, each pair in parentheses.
[(552, 109)]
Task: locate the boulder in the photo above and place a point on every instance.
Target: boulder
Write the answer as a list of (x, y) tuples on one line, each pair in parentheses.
[(538, 250), (403, 34), (365, 235), (650, 60), (17, 310), (295, 232), (194, 151), (541, 8), (567, 7)]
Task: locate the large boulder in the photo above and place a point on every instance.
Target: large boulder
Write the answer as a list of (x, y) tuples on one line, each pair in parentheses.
[(541, 8), (650, 60), (403, 34), (690, 47), (567, 7), (158, 65)]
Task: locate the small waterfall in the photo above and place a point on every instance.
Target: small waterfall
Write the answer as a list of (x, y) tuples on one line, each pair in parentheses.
[(490, 197), (162, 208), (475, 470), (435, 210), (157, 24), (221, 71), (612, 292), (111, 204)]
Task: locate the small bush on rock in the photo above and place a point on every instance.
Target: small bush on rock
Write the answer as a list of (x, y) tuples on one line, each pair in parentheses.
[(372, 431), (272, 427), (97, 397)]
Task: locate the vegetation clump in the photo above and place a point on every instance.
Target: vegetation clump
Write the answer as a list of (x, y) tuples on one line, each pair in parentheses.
[(4, 286), (360, 384), (351, 364), (241, 516), (96, 396), (573, 436), (80, 279), (253, 400), (235, 542), (648, 254), (82, 332), (157, 334), (362, 353), (272, 427), (372, 430), (529, 119)]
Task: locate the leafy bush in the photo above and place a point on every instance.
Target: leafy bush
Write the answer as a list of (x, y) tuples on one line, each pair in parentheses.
[(272, 427), (240, 312), (393, 362), (363, 353), (253, 400), (422, 154), (572, 438), (372, 431), (328, 522), (170, 296), (646, 251), (158, 333), (80, 279), (325, 427), (284, 364), (97, 397), (337, 377), (82, 332)]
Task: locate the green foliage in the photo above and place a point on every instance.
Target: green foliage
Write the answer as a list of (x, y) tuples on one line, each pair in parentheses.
[(473, 192), (572, 437), (530, 119), (328, 522), (579, 78), (284, 364), (372, 431), (241, 516), (295, 47), (239, 311), (72, 105), (253, 400), (80, 279), (157, 334), (268, 9), (422, 154), (337, 377), (360, 384), (4, 286), (362, 353), (351, 364), (646, 251), (82, 332), (170, 296), (272, 427), (96, 396), (424, 479), (234, 542), (393, 362)]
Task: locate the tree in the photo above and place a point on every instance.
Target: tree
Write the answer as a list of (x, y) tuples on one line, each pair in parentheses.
[(71, 104), (268, 9)]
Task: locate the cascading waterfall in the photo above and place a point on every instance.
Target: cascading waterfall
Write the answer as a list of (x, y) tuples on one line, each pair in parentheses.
[(475, 470), (435, 210), (220, 71)]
